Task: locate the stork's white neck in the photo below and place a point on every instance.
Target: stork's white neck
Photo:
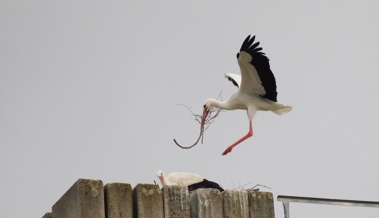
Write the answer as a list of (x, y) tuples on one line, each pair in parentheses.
[(165, 181), (225, 105)]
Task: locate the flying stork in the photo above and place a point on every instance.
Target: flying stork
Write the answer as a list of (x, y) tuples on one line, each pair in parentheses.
[(191, 180), (257, 89)]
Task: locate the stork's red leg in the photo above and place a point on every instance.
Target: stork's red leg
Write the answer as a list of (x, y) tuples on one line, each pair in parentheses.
[(248, 135)]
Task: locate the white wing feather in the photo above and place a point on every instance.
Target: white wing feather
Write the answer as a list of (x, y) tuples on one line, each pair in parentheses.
[(250, 83), (184, 179)]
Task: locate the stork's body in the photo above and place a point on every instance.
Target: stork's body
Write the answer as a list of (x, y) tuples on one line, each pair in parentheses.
[(190, 180), (257, 88)]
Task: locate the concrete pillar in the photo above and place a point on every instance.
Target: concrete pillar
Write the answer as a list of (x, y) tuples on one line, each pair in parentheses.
[(85, 199), (118, 200), (147, 201), (261, 204), (206, 203), (235, 204), (176, 202), (47, 215)]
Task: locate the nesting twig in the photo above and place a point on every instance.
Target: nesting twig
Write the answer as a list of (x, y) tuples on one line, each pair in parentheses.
[(204, 125), (209, 120), (254, 188), (156, 184)]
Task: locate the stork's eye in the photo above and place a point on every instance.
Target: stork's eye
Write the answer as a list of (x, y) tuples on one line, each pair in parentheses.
[(238, 55), (204, 106)]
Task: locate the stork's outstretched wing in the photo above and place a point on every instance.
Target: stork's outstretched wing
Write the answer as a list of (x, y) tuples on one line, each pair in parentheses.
[(234, 78), (257, 77)]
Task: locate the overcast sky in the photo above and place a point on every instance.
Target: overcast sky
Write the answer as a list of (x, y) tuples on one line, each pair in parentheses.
[(91, 90)]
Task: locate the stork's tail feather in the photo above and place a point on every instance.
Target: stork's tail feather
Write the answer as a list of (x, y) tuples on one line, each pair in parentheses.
[(282, 109)]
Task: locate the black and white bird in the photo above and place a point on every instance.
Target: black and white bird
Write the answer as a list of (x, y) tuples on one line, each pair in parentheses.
[(191, 180), (257, 88)]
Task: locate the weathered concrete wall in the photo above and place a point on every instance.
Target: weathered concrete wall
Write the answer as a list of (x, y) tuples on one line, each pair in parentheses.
[(235, 204), (261, 205), (47, 215), (118, 200), (85, 199), (176, 202), (206, 203), (89, 199), (147, 201)]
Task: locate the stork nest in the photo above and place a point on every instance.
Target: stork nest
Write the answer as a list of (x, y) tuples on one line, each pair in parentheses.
[(213, 113)]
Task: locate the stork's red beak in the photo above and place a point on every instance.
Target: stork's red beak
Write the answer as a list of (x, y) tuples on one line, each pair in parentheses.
[(204, 117), (161, 178)]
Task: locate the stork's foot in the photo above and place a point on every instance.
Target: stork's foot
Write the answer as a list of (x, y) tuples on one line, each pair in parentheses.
[(228, 150)]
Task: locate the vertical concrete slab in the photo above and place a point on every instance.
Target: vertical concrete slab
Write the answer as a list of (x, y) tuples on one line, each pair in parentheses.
[(206, 203), (147, 201), (47, 215), (261, 204), (118, 200), (236, 204), (176, 201), (85, 199)]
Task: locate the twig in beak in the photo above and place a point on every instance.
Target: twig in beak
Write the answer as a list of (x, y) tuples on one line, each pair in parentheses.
[(205, 121)]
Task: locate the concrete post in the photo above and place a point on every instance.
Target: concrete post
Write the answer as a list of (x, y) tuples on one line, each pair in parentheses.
[(118, 200), (147, 201), (261, 204), (176, 201), (235, 204), (206, 203), (47, 215), (85, 199)]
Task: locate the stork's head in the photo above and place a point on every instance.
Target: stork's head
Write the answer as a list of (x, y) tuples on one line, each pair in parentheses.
[(206, 109), (208, 103), (160, 175)]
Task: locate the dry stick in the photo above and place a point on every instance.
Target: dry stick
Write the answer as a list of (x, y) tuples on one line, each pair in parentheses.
[(198, 117), (197, 141), (201, 129), (253, 188), (207, 122)]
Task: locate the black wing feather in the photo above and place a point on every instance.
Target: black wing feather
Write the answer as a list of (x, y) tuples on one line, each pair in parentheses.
[(233, 81), (205, 184), (262, 65)]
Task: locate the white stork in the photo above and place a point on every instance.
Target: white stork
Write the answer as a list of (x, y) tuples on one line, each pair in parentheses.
[(191, 180), (257, 89)]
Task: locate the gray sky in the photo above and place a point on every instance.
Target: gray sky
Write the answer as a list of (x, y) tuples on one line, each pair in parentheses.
[(89, 90)]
